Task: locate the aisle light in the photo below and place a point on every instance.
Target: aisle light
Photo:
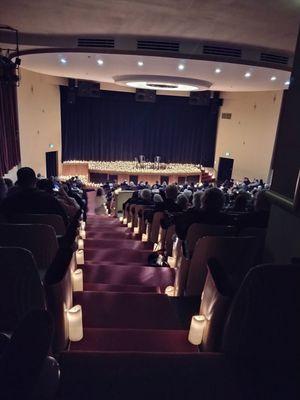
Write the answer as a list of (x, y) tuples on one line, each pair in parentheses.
[(197, 329), (74, 316)]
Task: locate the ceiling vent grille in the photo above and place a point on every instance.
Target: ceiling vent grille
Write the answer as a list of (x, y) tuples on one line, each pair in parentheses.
[(157, 45), (274, 58), (99, 43), (222, 51)]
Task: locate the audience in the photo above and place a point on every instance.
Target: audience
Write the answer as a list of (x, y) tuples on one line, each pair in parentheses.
[(26, 198)]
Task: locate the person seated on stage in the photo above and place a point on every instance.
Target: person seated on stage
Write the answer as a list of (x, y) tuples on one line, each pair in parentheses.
[(100, 202), (207, 209), (29, 200), (157, 185)]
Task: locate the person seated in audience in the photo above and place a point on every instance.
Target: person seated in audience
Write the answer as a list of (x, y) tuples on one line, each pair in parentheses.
[(157, 198), (241, 203), (9, 183), (260, 216), (207, 209), (182, 202), (100, 202), (156, 185), (29, 200), (169, 204), (145, 198)]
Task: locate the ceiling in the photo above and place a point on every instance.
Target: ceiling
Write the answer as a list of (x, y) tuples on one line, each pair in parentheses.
[(267, 23), (85, 66)]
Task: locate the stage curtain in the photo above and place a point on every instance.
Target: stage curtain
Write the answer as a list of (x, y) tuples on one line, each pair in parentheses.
[(117, 127), (9, 131)]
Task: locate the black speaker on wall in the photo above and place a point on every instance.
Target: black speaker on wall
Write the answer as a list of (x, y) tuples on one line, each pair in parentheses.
[(145, 95), (200, 98), (72, 91), (88, 89)]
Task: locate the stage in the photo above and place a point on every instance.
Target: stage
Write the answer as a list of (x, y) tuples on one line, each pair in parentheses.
[(94, 173)]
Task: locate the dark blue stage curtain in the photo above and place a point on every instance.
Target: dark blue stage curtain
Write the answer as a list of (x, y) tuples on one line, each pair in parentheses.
[(117, 127)]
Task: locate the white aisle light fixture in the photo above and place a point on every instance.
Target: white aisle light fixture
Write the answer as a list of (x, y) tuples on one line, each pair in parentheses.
[(80, 257), (170, 291), (74, 316), (77, 280), (196, 329)]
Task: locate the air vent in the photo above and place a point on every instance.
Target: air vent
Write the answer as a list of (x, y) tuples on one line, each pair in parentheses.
[(157, 45), (274, 58), (101, 43), (222, 51)]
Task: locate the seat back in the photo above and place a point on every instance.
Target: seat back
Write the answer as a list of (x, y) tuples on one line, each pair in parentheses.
[(263, 322), (155, 226), (59, 295), (233, 257), (169, 242), (137, 209), (21, 289), (197, 231), (40, 240), (235, 253), (53, 220)]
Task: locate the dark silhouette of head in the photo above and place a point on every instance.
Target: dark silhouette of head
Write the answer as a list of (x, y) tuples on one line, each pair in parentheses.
[(46, 185), (26, 178), (213, 200)]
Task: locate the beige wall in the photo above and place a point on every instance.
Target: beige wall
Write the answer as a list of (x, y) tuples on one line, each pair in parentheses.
[(250, 133), (39, 118)]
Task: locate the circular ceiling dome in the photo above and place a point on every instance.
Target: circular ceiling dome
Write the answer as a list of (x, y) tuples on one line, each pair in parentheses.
[(161, 82)]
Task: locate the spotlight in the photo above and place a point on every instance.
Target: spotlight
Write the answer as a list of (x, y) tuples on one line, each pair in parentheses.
[(247, 75), (63, 61), (100, 62), (140, 63), (181, 67), (273, 78), (287, 83), (217, 70)]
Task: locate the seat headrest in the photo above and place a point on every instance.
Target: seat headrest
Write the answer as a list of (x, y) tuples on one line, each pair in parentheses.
[(263, 321)]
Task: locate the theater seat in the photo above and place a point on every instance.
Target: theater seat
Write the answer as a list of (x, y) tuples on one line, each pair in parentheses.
[(21, 289), (53, 220), (40, 240), (261, 336)]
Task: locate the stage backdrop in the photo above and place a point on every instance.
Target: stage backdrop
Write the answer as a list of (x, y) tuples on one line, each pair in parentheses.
[(117, 127)]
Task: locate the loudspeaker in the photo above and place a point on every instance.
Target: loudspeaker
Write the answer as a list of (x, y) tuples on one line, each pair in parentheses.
[(199, 98), (145, 95), (71, 99), (88, 89)]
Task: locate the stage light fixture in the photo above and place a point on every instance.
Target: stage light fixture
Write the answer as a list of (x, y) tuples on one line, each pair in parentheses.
[(140, 63), (247, 75), (287, 83), (273, 78), (181, 67), (218, 70), (63, 60), (100, 62)]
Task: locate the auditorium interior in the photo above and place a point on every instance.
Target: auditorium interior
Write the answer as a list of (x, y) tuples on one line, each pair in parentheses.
[(149, 199)]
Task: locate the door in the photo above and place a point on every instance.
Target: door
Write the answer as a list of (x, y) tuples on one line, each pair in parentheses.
[(51, 163), (225, 169)]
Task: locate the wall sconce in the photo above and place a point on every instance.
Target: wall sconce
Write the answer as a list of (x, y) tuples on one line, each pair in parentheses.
[(77, 280), (196, 329), (80, 257), (74, 315)]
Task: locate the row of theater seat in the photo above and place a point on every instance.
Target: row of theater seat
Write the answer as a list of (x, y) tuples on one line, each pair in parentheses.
[(135, 338)]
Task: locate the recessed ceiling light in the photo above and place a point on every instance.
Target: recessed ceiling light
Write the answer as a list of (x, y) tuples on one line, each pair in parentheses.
[(181, 67), (287, 83), (273, 78), (218, 70), (247, 75), (140, 63), (100, 62), (63, 60)]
